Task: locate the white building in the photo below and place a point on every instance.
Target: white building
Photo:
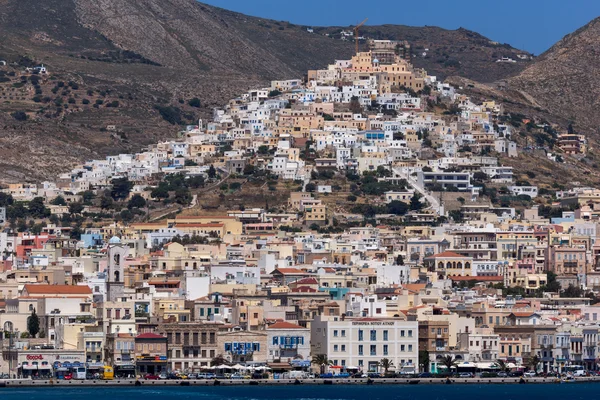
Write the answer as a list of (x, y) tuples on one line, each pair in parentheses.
[(287, 342), (363, 342)]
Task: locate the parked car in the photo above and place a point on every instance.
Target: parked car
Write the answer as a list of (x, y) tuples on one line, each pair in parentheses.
[(193, 376), (502, 374), (425, 375), (515, 374), (529, 374), (68, 377), (375, 375), (151, 377), (465, 375), (163, 376), (206, 375)]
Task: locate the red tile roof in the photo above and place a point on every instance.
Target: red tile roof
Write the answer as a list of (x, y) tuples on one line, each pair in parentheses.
[(149, 336), (307, 281), (477, 278), (284, 325), (446, 254), (57, 289), (291, 271)]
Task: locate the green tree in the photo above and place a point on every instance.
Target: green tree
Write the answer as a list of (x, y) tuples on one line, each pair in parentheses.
[(501, 365), (160, 192), (75, 208), (219, 360), (386, 364), (37, 209), (397, 207), (87, 196), (322, 361), (449, 362), (33, 324), (195, 181), (424, 360), (311, 187), (58, 201), (183, 196), (263, 150), (212, 172), (136, 201), (534, 363), (106, 203), (399, 260), (249, 169), (195, 102), (120, 188), (6, 200), (415, 202)]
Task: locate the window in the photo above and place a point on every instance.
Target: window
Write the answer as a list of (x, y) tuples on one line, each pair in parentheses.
[(335, 333), (343, 333), (402, 333), (360, 335), (373, 350), (335, 347), (410, 333), (360, 349), (385, 336), (373, 335), (343, 347), (385, 349), (410, 347)]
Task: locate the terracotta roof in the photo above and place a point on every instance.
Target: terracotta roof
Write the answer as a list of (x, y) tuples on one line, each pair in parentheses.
[(292, 271), (415, 287), (477, 278), (446, 254), (285, 325), (149, 336), (57, 289), (307, 281), (523, 314), (304, 289)]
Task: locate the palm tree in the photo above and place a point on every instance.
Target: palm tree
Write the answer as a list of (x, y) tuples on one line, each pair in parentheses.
[(501, 365), (386, 364), (321, 360), (534, 362), (449, 362), (219, 360)]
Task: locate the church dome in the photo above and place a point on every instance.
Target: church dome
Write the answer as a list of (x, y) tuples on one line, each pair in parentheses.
[(114, 240)]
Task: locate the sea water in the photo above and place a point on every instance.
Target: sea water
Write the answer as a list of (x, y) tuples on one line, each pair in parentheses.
[(575, 391)]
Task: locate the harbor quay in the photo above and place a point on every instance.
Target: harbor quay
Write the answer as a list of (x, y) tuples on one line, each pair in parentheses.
[(20, 383)]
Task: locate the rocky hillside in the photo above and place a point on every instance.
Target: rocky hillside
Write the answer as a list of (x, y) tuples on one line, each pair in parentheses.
[(136, 64), (565, 79)]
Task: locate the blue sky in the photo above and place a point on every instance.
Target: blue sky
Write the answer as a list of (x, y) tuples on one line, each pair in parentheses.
[(532, 25)]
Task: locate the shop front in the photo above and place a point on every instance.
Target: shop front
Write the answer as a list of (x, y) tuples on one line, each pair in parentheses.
[(94, 370), (34, 366), (45, 364), (125, 371)]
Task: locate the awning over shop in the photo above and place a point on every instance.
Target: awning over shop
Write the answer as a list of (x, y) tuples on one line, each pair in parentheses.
[(300, 363), (279, 366)]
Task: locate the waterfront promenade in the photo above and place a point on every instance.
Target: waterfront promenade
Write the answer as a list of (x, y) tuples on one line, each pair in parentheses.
[(8, 383)]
